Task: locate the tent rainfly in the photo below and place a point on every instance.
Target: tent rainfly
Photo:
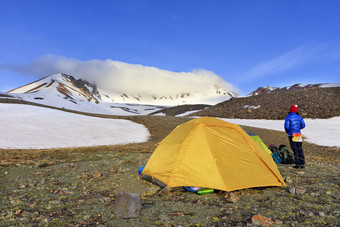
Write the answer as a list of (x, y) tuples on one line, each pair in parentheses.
[(212, 153), (260, 142)]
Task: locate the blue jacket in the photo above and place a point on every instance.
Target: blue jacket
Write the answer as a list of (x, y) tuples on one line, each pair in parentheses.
[(294, 123)]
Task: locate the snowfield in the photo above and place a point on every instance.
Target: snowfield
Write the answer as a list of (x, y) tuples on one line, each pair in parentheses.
[(32, 127), (323, 132)]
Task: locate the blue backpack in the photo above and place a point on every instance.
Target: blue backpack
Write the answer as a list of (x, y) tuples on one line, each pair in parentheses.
[(276, 155)]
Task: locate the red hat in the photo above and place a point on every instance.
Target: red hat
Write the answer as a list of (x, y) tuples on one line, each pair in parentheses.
[(293, 109)]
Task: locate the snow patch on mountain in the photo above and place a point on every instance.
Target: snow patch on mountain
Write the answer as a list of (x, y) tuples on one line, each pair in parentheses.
[(65, 91)]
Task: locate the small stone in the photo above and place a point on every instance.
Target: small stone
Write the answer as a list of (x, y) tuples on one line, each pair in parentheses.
[(301, 172), (300, 190), (260, 220), (97, 175), (231, 197), (106, 199), (31, 205), (165, 191), (322, 214), (42, 165), (278, 222), (311, 214), (177, 213), (22, 186), (113, 170), (18, 212), (329, 193), (289, 180), (292, 190), (85, 177), (315, 194)]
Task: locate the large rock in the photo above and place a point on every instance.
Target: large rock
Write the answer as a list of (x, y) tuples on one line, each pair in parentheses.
[(128, 205)]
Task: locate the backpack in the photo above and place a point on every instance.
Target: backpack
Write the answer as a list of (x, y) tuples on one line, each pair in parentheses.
[(286, 156), (275, 153)]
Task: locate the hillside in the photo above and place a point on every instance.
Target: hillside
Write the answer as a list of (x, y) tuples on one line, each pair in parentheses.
[(313, 103)]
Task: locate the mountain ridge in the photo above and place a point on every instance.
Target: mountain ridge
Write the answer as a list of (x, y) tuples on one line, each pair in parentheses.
[(64, 83), (295, 87)]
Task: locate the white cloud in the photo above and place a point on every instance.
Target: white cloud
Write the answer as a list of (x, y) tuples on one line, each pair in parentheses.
[(295, 58), (281, 63), (130, 78)]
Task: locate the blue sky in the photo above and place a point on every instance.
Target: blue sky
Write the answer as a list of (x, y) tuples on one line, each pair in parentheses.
[(248, 43)]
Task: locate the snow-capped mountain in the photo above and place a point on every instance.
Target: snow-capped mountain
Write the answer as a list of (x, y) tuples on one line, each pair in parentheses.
[(65, 91), (268, 89)]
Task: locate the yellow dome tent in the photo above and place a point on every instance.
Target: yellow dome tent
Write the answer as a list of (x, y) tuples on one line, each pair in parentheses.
[(212, 153)]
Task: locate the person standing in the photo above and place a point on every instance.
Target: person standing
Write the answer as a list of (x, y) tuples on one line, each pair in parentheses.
[(293, 125)]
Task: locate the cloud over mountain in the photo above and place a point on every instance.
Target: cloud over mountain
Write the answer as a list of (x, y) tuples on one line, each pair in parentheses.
[(124, 77)]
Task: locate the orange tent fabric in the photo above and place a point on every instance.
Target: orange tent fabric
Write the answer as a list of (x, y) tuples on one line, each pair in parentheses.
[(212, 153)]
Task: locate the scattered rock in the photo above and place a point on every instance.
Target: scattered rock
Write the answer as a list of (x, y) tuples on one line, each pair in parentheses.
[(177, 213), (292, 190), (53, 204), (315, 194), (42, 165), (300, 190), (260, 220), (301, 173), (23, 186), (113, 170), (46, 220), (288, 180), (128, 205), (86, 177), (278, 222), (322, 214), (165, 191), (231, 197), (106, 199), (97, 175), (310, 213)]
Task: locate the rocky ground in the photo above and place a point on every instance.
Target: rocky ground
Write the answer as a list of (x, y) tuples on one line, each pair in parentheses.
[(78, 187), (313, 103)]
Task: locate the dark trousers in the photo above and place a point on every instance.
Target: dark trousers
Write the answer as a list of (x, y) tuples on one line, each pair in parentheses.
[(298, 152)]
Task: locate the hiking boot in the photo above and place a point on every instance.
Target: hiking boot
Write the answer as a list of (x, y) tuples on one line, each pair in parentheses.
[(296, 166)]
